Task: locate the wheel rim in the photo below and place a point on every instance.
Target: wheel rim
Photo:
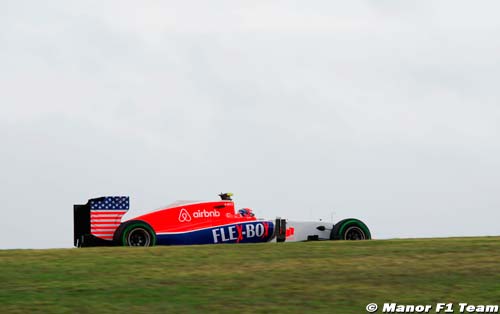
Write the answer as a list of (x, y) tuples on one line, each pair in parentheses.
[(354, 233), (139, 237)]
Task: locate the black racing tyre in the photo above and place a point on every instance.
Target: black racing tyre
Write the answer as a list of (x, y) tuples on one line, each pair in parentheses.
[(350, 229), (135, 233)]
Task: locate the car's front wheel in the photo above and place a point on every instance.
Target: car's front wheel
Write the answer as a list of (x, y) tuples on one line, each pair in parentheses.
[(135, 233), (350, 229)]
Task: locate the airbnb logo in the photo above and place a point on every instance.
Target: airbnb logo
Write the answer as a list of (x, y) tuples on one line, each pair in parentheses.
[(184, 216), (206, 213)]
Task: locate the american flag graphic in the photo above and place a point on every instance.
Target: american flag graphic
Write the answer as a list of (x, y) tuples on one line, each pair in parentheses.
[(106, 214)]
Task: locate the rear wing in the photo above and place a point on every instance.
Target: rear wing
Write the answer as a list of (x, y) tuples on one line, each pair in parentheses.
[(94, 223)]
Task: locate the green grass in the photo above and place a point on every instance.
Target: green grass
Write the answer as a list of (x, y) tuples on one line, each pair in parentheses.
[(312, 277)]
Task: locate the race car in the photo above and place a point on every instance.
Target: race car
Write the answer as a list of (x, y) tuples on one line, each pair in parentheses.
[(100, 223)]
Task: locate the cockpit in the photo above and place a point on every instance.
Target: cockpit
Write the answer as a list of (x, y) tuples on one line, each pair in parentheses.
[(244, 212)]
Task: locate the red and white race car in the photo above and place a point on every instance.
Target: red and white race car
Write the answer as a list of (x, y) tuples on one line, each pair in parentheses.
[(100, 223)]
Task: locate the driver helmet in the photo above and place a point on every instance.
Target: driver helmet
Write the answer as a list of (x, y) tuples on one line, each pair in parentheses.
[(246, 212)]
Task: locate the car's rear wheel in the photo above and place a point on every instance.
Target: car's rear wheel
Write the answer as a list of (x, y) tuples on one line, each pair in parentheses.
[(135, 233), (350, 229)]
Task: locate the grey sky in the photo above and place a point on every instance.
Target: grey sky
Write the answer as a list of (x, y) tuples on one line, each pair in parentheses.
[(383, 110)]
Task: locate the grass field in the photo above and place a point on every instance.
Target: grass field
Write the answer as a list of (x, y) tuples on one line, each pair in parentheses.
[(313, 277)]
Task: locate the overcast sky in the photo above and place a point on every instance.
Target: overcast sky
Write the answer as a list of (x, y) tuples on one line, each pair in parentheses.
[(386, 111)]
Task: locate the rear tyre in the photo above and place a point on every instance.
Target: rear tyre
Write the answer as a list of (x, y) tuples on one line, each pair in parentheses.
[(135, 233), (350, 229)]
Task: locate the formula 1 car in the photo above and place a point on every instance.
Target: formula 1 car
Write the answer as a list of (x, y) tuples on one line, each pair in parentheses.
[(100, 223)]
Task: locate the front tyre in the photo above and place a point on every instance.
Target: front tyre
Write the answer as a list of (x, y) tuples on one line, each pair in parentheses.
[(135, 233), (350, 229)]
